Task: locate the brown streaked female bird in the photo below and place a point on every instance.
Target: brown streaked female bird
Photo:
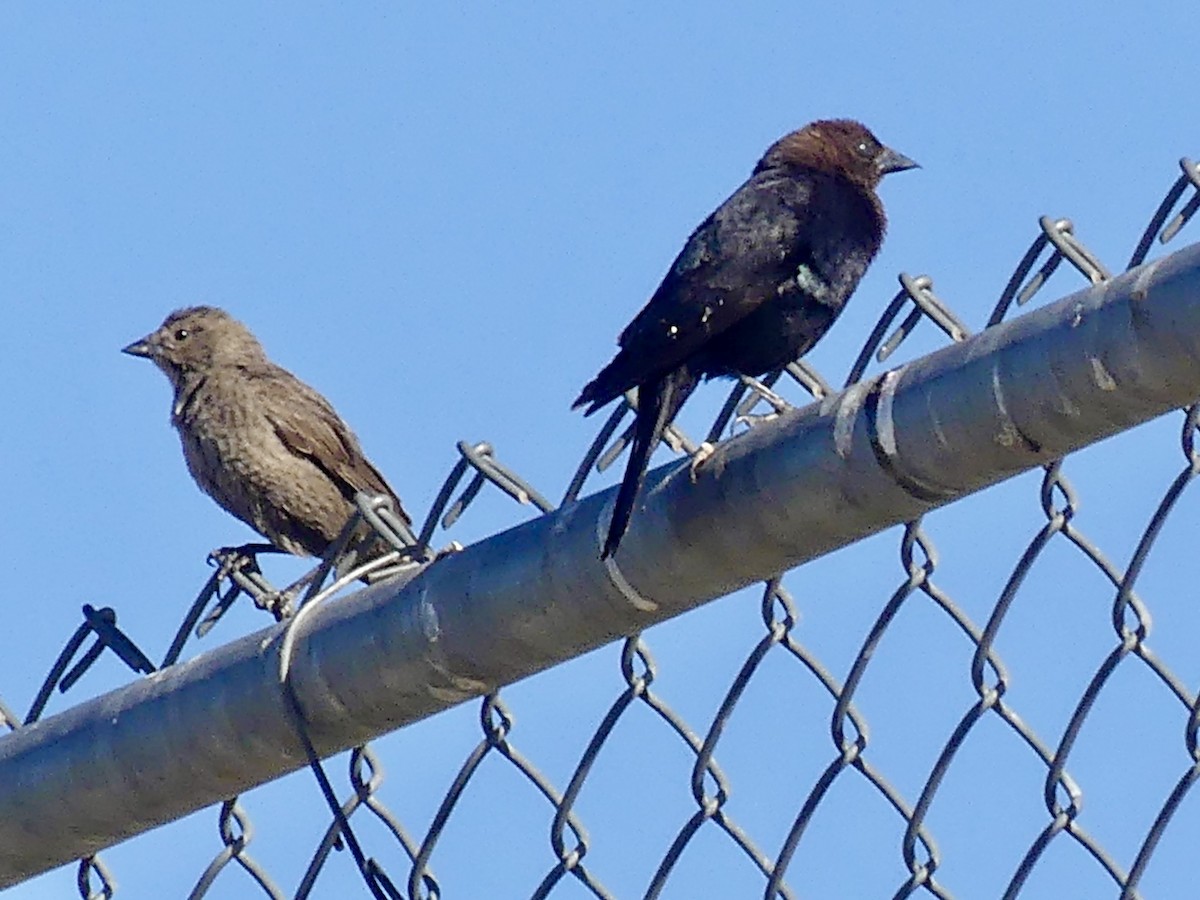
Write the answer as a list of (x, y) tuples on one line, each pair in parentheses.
[(263, 444), (757, 284)]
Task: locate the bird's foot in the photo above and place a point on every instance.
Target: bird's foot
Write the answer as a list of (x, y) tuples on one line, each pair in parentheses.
[(673, 438), (703, 452), (239, 565), (750, 420), (244, 558), (449, 550), (768, 396), (282, 604)]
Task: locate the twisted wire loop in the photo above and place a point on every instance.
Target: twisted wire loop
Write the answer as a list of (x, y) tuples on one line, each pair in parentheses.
[(850, 743), (94, 866), (1058, 234), (1131, 621), (1062, 794), (236, 572), (497, 722), (779, 617), (366, 777), (926, 305), (1129, 615), (236, 833)]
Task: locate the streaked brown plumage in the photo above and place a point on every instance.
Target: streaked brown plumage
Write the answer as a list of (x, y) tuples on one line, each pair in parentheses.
[(263, 444)]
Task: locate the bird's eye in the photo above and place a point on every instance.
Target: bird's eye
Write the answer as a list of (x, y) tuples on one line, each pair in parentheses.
[(182, 334), (864, 150)]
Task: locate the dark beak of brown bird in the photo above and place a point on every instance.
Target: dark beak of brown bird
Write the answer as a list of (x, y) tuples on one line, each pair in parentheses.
[(139, 348), (891, 161)]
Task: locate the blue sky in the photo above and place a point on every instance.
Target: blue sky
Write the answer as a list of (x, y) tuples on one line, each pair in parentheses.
[(441, 217)]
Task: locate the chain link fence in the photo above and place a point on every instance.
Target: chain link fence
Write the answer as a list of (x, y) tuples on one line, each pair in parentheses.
[(782, 858)]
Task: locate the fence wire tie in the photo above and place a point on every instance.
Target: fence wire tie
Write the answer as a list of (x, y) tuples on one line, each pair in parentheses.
[(1187, 437), (408, 552), (104, 623), (482, 458), (239, 566), (804, 374), (376, 879)]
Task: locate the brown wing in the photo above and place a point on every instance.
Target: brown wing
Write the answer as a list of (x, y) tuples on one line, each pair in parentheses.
[(310, 427)]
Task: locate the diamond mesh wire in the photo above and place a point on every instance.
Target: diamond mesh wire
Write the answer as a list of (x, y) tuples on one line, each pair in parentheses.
[(772, 662)]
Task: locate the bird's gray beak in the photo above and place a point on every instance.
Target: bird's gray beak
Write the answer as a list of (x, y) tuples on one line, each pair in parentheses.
[(891, 161), (139, 348)]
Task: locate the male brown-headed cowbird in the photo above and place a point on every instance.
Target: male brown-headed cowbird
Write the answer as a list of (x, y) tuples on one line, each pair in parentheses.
[(263, 444), (758, 283)]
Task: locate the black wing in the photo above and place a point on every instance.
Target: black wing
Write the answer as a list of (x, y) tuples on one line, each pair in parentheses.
[(737, 259)]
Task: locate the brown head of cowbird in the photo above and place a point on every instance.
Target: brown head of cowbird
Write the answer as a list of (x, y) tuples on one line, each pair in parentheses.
[(758, 283), (263, 444)]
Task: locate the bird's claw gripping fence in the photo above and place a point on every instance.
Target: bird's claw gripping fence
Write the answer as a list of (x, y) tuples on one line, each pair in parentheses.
[(236, 572)]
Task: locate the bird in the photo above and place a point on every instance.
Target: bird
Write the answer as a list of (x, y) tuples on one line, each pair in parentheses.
[(264, 445), (755, 286)]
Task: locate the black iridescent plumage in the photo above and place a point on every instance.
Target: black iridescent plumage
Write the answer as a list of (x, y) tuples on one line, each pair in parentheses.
[(758, 283)]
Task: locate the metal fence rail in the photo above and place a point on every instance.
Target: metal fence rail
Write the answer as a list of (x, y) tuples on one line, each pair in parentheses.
[(1020, 394)]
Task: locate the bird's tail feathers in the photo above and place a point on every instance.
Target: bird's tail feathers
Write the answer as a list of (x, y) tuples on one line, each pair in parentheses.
[(658, 402), (614, 380), (589, 395)]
